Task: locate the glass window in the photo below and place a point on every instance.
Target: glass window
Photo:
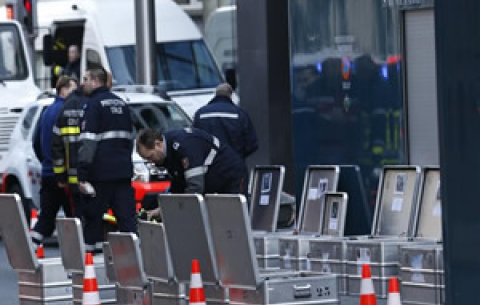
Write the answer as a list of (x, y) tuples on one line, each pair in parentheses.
[(347, 103), (180, 65), (161, 116), (12, 58), (93, 59), (28, 121)]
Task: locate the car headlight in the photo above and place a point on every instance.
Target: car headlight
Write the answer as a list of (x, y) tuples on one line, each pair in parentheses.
[(140, 172)]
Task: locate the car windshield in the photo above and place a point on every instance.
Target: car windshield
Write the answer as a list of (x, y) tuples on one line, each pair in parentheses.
[(12, 58), (181, 65), (159, 116)]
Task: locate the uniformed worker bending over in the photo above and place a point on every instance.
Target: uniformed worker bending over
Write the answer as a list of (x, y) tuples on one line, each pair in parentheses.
[(105, 159), (196, 161)]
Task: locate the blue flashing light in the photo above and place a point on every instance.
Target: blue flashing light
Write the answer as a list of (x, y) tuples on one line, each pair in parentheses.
[(384, 71), (319, 67)]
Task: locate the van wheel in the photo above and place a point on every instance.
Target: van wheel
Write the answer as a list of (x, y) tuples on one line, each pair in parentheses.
[(15, 188)]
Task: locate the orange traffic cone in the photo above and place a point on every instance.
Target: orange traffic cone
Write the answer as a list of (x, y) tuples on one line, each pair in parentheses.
[(33, 219), (393, 292), (40, 253), (367, 293), (197, 294), (90, 286)]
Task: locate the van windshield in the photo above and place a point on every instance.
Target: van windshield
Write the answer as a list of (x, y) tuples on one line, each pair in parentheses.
[(12, 57), (181, 65)]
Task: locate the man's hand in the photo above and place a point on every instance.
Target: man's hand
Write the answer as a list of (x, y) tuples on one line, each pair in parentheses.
[(155, 214), (86, 188), (62, 184)]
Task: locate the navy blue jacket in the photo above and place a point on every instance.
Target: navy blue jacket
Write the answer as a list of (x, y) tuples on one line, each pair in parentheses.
[(229, 123), (43, 135), (106, 139), (199, 163)]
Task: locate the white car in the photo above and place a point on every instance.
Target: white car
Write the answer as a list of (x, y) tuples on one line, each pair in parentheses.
[(23, 169)]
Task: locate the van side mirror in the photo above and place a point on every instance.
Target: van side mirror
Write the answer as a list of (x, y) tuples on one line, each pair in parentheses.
[(47, 50), (231, 77)]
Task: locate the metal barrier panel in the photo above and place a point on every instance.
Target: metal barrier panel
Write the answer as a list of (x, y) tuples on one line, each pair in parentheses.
[(188, 234), (155, 253), (428, 221), (127, 260), (15, 234), (396, 201), (233, 241), (265, 202), (72, 246), (318, 180)]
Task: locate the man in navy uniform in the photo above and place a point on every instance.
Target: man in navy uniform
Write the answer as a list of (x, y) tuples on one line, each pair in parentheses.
[(196, 161), (228, 122), (105, 167)]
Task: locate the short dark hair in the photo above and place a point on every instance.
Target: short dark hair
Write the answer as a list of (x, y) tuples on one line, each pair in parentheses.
[(147, 137), (64, 82), (99, 73)]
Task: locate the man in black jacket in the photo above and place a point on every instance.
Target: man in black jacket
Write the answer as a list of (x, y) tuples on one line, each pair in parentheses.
[(105, 165), (196, 161)]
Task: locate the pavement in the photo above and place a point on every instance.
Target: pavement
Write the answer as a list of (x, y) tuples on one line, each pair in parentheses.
[(9, 280)]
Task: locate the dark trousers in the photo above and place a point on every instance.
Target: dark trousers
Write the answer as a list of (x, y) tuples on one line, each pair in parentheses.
[(77, 200), (52, 198), (117, 195)]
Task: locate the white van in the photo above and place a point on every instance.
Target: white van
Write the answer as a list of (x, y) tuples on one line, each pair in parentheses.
[(105, 32), (17, 87)]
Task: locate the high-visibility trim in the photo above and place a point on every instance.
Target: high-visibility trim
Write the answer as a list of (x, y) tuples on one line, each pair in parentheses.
[(216, 142), (213, 152), (73, 179), (113, 134), (219, 115), (70, 130), (36, 235), (71, 138), (59, 169), (196, 171), (210, 157), (58, 162), (57, 131), (72, 171)]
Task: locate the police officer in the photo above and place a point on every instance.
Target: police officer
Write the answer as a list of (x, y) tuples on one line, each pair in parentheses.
[(228, 122), (105, 165), (196, 161), (52, 196)]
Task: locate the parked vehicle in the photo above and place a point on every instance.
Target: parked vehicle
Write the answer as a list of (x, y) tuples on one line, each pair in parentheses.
[(22, 174), (17, 87), (105, 32)]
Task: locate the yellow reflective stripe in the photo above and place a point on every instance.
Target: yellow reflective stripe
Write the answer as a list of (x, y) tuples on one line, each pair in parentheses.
[(59, 169), (70, 130), (377, 150), (72, 179)]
